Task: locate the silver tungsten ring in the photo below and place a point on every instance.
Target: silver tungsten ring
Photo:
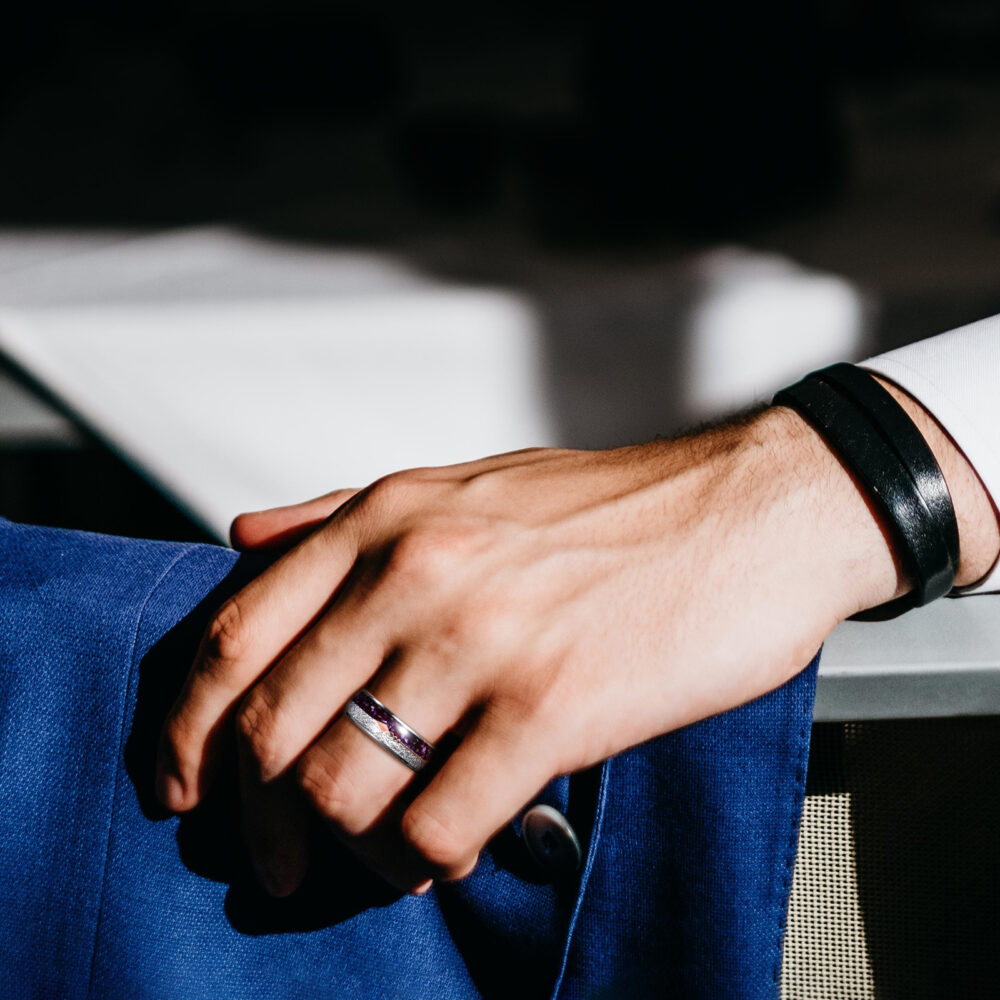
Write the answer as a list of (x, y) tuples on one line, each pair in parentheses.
[(388, 730)]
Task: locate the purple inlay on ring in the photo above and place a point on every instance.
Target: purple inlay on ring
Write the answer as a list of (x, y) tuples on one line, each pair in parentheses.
[(396, 726)]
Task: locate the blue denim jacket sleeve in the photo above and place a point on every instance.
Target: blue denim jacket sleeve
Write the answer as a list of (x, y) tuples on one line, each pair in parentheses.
[(689, 839)]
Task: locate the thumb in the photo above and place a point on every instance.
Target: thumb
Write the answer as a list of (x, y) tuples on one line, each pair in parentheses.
[(283, 527)]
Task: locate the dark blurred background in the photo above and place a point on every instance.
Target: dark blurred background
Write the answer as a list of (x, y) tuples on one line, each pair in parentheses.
[(574, 151), (577, 122), (587, 120)]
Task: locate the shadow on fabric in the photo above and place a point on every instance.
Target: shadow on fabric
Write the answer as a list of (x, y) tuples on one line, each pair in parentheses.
[(337, 886)]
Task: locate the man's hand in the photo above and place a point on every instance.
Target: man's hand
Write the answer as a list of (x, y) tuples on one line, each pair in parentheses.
[(553, 607)]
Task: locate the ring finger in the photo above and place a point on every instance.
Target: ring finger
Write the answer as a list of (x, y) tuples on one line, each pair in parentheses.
[(356, 774)]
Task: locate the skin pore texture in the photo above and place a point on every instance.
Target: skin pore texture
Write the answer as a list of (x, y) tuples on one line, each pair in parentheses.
[(552, 607)]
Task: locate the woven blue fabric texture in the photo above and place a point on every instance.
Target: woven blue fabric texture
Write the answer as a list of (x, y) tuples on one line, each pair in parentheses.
[(689, 839)]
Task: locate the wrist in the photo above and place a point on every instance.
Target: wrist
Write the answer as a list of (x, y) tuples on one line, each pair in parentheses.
[(853, 533), (836, 532)]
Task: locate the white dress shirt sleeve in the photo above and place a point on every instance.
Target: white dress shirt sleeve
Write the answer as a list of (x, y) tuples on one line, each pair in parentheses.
[(956, 376)]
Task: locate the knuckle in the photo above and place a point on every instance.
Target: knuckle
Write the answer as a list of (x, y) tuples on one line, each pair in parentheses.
[(227, 637), (386, 493), (178, 738), (421, 557), (257, 730), (439, 845), (483, 484), (329, 789)]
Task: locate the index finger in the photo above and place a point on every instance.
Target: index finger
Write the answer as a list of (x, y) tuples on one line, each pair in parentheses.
[(245, 636)]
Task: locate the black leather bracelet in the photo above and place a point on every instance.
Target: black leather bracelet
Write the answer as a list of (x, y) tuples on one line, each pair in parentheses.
[(894, 465), (903, 437)]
